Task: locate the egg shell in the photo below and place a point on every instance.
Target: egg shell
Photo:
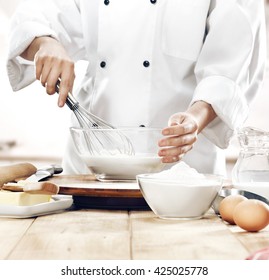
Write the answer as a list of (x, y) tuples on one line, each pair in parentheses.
[(251, 215), (227, 206)]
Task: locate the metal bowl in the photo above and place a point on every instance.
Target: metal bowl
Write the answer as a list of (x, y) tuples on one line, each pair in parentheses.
[(231, 191)]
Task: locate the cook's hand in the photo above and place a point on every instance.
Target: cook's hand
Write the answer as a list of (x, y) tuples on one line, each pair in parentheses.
[(182, 130), (181, 134), (52, 63)]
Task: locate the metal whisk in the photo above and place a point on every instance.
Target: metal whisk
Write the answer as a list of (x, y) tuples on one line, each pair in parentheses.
[(101, 137)]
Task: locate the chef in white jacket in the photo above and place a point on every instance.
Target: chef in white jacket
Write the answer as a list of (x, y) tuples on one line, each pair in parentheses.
[(191, 67)]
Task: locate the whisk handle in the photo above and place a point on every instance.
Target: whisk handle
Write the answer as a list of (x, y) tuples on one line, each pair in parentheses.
[(71, 102)]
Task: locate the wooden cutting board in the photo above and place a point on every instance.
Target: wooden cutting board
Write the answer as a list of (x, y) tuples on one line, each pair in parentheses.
[(87, 185), (87, 192)]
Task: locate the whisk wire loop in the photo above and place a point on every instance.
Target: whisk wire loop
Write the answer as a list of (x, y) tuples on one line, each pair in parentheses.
[(108, 141)]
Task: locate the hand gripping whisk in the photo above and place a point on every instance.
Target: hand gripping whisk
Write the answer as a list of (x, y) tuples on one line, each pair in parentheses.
[(100, 137)]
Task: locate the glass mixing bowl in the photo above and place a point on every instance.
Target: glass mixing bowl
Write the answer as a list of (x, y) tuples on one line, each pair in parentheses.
[(109, 163)]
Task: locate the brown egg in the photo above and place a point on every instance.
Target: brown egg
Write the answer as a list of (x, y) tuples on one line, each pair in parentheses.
[(227, 206), (251, 215)]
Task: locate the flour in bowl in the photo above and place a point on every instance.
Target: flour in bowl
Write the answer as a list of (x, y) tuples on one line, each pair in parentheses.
[(179, 171)]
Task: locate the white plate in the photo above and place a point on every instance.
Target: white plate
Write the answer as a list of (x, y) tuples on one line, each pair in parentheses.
[(59, 203)]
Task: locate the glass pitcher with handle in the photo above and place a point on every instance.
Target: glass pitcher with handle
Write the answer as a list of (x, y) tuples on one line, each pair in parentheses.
[(251, 171)]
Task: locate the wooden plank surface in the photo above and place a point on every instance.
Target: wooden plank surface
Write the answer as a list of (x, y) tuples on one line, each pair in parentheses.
[(207, 238), (111, 234), (11, 233), (100, 234), (252, 241), (87, 234)]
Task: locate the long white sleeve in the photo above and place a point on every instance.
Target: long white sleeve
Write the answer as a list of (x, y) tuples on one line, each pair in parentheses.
[(231, 65), (35, 18)]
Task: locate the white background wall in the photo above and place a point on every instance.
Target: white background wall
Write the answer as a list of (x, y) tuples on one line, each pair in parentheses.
[(30, 117), (33, 120)]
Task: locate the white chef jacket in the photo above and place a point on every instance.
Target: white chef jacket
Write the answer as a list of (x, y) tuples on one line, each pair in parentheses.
[(148, 59)]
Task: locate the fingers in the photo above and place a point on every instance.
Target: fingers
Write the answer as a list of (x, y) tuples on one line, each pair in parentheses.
[(176, 147), (38, 68), (49, 70), (173, 155), (180, 137), (176, 119), (52, 65), (180, 123), (180, 129), (178, 141), (67, 80), (66, 85)]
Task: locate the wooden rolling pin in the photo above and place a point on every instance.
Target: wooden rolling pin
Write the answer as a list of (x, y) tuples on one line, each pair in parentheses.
[(10, 173)]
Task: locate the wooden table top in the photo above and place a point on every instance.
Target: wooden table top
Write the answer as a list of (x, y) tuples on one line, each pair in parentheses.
[(120, 234)]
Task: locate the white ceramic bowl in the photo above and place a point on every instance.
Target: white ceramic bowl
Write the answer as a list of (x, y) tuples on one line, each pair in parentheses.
[(107, 163), (179, 199)]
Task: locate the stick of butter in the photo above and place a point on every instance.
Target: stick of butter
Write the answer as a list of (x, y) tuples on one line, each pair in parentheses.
[(22, 198)]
